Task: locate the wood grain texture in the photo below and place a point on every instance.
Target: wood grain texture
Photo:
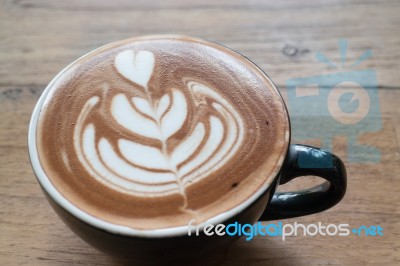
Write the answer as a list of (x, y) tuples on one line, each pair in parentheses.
[(39, 38)]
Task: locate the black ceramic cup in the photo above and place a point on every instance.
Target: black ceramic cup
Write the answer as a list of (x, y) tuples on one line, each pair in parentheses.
[(178, 243)]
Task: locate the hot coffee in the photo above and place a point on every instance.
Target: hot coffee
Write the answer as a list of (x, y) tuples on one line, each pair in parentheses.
[(156, 131)]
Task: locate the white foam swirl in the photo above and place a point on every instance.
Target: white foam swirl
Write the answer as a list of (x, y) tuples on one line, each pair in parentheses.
[(133, 166)]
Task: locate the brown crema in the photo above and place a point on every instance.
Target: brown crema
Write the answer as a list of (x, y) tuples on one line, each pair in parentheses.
[(244, 101)]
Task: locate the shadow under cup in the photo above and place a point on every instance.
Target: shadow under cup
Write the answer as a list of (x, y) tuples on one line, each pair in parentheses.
[(181, 243)]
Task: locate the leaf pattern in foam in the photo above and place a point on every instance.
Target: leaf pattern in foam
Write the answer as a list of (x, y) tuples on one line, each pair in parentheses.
[(142, 169), (137, 68)]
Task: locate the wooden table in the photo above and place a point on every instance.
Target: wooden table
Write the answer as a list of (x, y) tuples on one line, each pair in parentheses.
[(39, 38)]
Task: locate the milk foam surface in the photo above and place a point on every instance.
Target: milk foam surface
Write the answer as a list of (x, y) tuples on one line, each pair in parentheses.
[(154, 132)]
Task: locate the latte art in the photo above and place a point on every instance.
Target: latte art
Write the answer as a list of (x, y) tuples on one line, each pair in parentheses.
[(154, 132), (137, 168)]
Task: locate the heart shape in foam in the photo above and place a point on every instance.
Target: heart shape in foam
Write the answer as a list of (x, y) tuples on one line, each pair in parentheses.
[(138, 67)]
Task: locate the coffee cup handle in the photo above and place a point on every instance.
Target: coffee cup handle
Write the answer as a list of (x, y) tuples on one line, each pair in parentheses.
[(304, 160)]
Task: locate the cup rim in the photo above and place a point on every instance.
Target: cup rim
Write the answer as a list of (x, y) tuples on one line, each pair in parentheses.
[(81, 215)]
